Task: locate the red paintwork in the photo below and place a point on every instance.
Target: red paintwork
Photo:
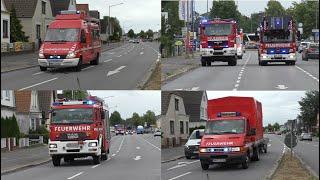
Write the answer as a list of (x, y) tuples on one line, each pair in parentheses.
[(251, 112)]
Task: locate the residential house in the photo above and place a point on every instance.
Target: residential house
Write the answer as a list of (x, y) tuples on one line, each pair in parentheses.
[(5, 25), (27, 110), (7, 103), (94, 14), (83, 8), (174, 120), (195, 103), (35, 17), (46, 98), (61, 5)]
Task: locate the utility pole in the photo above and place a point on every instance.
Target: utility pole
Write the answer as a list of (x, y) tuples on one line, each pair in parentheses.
[(188, 37)]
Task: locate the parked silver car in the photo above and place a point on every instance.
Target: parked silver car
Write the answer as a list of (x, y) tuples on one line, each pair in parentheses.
[(305, 136)]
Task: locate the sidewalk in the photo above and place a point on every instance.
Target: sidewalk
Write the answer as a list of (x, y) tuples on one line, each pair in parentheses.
[(177, 65), (22, 158), (172, 154), (28, 60)]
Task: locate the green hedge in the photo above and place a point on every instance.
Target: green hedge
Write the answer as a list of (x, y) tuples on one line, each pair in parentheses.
[(9, 127), (41, 131)]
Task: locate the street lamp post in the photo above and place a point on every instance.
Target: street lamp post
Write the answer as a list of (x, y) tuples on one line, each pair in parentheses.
[(110, 17)]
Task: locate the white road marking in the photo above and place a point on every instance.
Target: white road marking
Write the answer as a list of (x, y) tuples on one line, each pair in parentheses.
[(269, 145), (176, 166), (137, 158), (95, 166), (113, 154), (120, 144), (115, 71), (195, 88), (75, 175), (107, 60), (141, 53), (240, 74), (137, 147), (150, 143), (38, 84), (309, 74), (281, 86), (88, 67), (119, 55), (41, 72), (180, 176)]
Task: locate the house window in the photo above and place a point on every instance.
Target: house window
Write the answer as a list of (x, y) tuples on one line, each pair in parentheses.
[(38, 31), (201, 111), (171, 127), (7, 95), (5, 29), (181, 127), (33, 123), (176, 104), (187, 127), (43, 7)]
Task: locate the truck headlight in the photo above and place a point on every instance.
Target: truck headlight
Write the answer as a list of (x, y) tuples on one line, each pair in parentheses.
[(41, 55), (52, 145), (203, 150), (93, 144), (71, 54)]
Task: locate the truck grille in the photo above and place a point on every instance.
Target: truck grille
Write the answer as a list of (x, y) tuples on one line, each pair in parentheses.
[(218, 45), (72, 136), (219, 156), (55, 56)]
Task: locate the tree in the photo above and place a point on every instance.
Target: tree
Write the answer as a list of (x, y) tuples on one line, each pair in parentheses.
[(131, 33), (274, 8), (276, 126), (224, 10), (149, 34), (136, 120), (16, 33), (115, 118), (309, 108), (75, 94), (149, 117), (270, 127), (142, 34)]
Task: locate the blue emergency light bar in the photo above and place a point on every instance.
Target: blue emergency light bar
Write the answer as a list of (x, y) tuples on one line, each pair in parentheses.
[(228, 114), (87, 102)]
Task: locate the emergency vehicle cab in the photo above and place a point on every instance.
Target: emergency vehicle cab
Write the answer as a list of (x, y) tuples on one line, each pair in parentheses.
[(72, 39)]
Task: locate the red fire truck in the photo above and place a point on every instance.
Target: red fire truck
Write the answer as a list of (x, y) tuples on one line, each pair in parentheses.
[(79, 129), (72, 39), (278, 36), (218, 41), (233, 133)]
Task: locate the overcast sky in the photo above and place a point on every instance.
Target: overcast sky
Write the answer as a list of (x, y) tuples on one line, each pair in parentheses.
[(132, 14), (277, 106), (246, 7), (128, 102)]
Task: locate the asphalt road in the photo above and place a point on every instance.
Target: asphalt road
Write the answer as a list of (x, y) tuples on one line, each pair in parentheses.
[(308, 151), (248, 75), (120, 68), (134, 157), (191, 169)]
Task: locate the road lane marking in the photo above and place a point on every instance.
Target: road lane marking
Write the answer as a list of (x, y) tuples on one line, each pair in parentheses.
[(180, 176), (137, 147), (176, 166), (119, 55), (141, 53), (41, 72), (150, 143), (113, 154), (37, 84), (95, 166), (108, 60), (87, 67), (281, 87), (240, 74), (115, 71), (309, 74), (269, 145), (137, 158), (75, 175), (121, 144)]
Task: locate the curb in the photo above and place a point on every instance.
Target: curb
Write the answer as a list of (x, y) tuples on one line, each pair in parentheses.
[(173, 76), (31, 66), (307, 167), (24, 167), (174, 159), (147, 76)]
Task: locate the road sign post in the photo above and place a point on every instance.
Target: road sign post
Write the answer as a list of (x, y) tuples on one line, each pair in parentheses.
[(290, 140)]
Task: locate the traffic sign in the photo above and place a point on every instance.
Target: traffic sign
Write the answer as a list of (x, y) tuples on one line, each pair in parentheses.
[(178, 43), (300, 25), (287, 140)]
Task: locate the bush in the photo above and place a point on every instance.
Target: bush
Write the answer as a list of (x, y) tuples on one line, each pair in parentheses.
[(9, 127)]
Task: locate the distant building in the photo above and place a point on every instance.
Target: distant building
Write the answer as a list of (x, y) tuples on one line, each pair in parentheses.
[(94, 14), (5, 24), (83, 8), (174, 120), (158, 121), (61, 5), (35, 17), (8, 104)]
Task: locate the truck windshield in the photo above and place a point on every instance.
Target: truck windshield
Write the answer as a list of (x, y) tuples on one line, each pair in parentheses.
[(277, 36), (217, 29), (62, 35), (253, 38), (74, 116), (225, 127)]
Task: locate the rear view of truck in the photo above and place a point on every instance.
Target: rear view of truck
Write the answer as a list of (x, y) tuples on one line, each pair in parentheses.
[(233, 133)]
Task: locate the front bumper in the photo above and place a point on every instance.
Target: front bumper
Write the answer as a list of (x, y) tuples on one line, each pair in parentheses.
[(217, 158), (210, 52), (72, 62), (278, 57), (64, 148)]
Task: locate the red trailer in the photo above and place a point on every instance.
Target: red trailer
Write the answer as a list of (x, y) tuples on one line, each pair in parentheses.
[(234, 132)]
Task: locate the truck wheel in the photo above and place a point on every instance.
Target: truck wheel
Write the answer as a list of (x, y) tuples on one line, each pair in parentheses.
[(187, 156), (79, 66), (96, 159), (256, 154), (204, 166), (104, 156), (208, 63), (43, 68), (68, 159), (240, 57), (293, 63), (265, 148), (245, 164), (56, 160), (233, 62), (95, 61)]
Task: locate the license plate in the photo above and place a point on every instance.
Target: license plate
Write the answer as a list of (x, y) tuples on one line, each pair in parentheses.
[(218, 160), (278, 56), (72, 145), (72, 136)]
